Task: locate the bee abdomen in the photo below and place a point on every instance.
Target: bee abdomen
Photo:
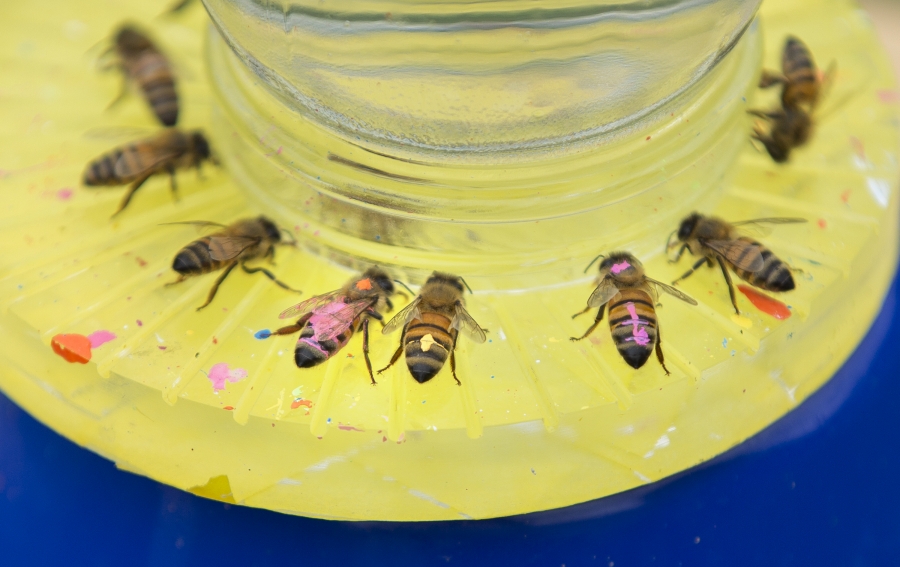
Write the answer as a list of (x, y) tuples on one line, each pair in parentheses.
[(428, 344), (632, 322), (194, 259), (311, 351), (155, 78), (102, 171), (775, 275)]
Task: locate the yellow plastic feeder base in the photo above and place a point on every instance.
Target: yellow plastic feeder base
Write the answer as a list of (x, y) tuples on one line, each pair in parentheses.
[(195, 400)]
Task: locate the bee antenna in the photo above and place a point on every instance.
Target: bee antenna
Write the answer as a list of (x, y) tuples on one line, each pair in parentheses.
[(669, 240), (592, 262), (293, 240), (406, 286), (466, 284)]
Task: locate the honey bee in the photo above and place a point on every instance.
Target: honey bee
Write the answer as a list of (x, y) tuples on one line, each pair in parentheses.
[(631, 296), (233, 244), (142, 63), (329, 320), (431, 325), (802, 86), (134, 163), (716, 240)]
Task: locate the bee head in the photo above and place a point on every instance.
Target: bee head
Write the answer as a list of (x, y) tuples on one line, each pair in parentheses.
[(272, 230), (449, 279), (620, 264), (129, 40), (380, 278), (687, 226), (201, 146)]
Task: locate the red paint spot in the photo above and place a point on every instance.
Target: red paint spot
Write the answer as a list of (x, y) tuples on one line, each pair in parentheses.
[(765, 303), (72, 346), (215, 341), (228, 408), (845, 196), (648, 137), (160, 347), (364, 283), (349, 428), (822, 223), (141, 262), (139, 322), (301, 402)]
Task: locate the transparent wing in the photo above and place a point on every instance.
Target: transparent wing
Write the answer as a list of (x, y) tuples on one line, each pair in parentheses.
[(672, 291), (407, 314), (309, 305), (201, 225), (228, 247), (158, 158), (763, 227), (464, 322), (742, 254), (332, 319), (603, 293), (118, 133)]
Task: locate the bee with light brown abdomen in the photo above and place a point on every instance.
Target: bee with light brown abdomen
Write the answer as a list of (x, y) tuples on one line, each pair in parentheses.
[(142, 63), (233, 244), (802, 86), (134, 163), (328, 321), (631, 296), (715, 240), (431, 324)]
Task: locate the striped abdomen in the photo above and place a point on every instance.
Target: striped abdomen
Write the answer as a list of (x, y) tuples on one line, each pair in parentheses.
[(151, 71), (773, 276), (197, 257), (428, 342), (133, 163), (632, 322), (311, 351), (803, 81)]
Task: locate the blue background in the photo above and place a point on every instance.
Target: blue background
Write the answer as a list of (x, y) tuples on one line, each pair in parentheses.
[(820, 487)]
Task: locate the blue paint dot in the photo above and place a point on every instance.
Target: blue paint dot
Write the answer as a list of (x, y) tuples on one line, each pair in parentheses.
[(724, 343), (492, 376), (20, 286), (732, 353), (377, 237), (264, 334), (328, 420)]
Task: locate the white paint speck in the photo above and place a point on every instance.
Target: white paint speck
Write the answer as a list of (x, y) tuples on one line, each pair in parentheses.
[(427, 498), (880, 190)]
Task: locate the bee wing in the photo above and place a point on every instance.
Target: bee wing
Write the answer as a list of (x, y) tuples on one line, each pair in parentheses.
[(603, 293), (742, 254), (464, 322), (201, 225), (159, 157), (118, 133), (228, 247), (763, 227), (336, 317), (406, 315), (672, 291), (310, 304)]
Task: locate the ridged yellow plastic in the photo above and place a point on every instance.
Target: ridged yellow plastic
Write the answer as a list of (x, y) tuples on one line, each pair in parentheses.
[(538, 422)]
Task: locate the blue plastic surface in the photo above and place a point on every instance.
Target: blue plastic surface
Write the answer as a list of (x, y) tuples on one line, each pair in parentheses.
[(816, 488)]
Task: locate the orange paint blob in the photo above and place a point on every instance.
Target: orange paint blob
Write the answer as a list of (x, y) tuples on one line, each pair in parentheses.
[(765, 303), (297, 403), (72, 346), (364, 283)]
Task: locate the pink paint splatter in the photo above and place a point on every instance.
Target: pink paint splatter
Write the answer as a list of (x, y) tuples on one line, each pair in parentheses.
[(888, 96), (822, 224), (639, 334), (98, 338), (619, 268), (64, 194), (220, 373), (141, 262), (845, 196), (139, 322), (349, 428)]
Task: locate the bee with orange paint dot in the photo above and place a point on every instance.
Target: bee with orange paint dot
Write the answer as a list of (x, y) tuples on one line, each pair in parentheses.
[(328, 321)]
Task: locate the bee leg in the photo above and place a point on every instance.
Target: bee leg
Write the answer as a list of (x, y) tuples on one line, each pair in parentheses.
[(659, 354), (679, 254), (270, 254), (296, 327), (396, 352), (180, 279), (582, 312), (122, 92), (696, 265), (365, 334), (592, 327), (174, 186), (770, 78), (215, 287), (453, 359), (130, 193), (730, 285), (269, 275)]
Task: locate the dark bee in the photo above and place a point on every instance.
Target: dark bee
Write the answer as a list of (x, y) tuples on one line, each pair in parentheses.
[(134, 163), (329, 320), (142, 63), (431, 325), (233, 244), (802, 86), (716, 240), (631, 296)]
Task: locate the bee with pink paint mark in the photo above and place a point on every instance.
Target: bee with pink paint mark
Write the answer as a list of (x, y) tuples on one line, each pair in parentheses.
[(328, 321), (631, 296)]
